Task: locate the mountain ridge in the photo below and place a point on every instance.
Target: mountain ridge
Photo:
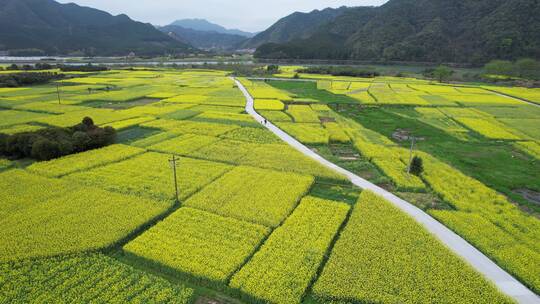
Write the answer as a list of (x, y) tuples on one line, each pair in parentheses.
[(295, 26), (204, 25), (46, 27), (468, 31), (203, 39)]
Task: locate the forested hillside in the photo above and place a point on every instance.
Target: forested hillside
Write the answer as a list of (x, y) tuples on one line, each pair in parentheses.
[(45, 27), (422, 31)]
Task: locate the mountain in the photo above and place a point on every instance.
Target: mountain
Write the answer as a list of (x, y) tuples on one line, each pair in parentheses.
[(465, 31), (202, 39), (295, 26), (46, 27), (205, 26)]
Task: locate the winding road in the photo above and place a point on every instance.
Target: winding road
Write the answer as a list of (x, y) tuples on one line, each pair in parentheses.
[(504, 281)]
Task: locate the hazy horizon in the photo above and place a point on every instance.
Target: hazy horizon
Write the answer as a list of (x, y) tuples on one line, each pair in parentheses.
[(236, 14)]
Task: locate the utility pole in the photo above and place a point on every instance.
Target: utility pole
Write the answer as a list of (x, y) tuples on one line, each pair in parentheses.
[(173, 161), (58, 92), (411, 155)]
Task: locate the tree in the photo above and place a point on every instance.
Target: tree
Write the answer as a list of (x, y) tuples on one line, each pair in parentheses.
[(527, 68), (3, 142), (442, 73), (81, 141), (417, 166), (272, 69), (88, 122), (500, 67), (44, 149)]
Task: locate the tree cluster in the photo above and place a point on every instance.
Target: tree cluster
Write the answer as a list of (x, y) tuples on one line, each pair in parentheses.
[(441, 73), (523, 68), (340, 71), (83, 68), (50, 143), (28, 67), (64, 68), (31, 78)]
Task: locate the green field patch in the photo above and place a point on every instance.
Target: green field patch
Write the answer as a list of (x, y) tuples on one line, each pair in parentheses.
[(290, 258), (303, 114), (530, 127), (309, 90), (22, 128), (382, 250), (486, 219), (84, 279), (276, 116), (225, 109), (184, 144), (524, 111), (45, 217), (335, 192), (129, 123), (260, 196), (150, 175), (135, 134), (84, 160), (99, 116), (119, 105), (181, 114), (285, 158), (52, 107), (13, 117), (145, 137), (158, 109), (489, 129), (190, 127), (229, 151), (253, 135), (307, 133), (269, 104), (243, 120), (198, 245)]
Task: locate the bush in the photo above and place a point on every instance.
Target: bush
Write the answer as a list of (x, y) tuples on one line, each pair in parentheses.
[(417, 166), (45, 149)]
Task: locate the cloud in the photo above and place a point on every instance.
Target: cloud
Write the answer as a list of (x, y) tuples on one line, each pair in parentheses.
[(247, 15)]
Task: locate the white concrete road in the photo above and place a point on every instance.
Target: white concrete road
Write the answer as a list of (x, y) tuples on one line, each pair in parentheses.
[(504, 281)]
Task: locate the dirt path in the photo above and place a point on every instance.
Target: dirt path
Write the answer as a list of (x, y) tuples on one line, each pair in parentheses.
[(504, 281)]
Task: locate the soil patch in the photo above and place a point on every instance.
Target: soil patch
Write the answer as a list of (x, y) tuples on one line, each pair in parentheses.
[(529, 195), (405, 135), (327, 119), (207, 300)]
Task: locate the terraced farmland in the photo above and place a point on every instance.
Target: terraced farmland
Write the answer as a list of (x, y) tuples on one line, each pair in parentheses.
[(255, 220), (472, 150)]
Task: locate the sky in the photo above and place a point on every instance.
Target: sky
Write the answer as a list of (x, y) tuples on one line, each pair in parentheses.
[(247, 15)]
